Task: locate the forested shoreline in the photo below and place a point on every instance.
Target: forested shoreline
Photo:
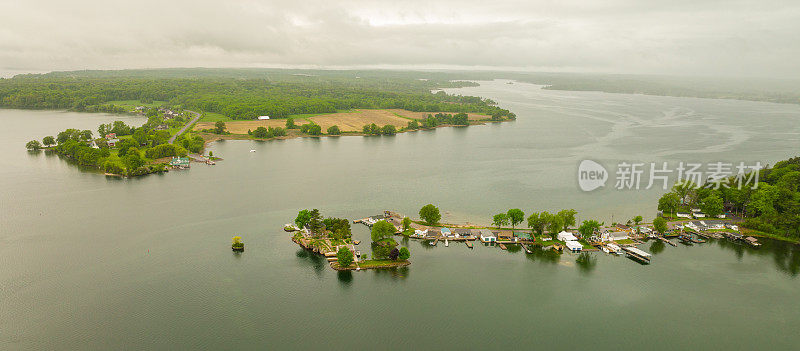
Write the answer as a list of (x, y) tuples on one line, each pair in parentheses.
[(242, 94)]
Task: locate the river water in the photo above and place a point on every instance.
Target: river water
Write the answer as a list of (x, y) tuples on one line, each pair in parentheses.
[(89, 262)]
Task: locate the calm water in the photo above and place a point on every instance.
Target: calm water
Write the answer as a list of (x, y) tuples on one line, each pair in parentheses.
[(89, 262)]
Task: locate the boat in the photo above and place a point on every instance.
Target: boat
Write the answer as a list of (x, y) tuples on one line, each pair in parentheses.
[(446, 243), (289, 227), (752, 241), (356, 242), (252, 150)]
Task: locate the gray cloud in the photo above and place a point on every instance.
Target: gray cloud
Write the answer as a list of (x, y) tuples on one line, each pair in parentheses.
[(734, 38)]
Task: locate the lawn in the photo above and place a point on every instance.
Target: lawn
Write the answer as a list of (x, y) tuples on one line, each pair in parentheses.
[(214, 117), (379, 263)]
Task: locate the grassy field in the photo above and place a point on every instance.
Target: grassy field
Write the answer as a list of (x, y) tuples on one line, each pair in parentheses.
[(241, 127), (756, 233), (354, 121), (215, 117)]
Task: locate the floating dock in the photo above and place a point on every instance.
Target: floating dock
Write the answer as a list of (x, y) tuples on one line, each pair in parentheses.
[(503, 246), (469, 244), (637, 254)]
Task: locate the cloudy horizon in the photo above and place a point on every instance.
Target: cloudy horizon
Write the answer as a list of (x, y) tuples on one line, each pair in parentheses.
[(708, 38)]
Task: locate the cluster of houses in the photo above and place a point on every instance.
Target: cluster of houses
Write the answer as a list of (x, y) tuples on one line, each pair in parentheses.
[(695, 214), (703, 225)]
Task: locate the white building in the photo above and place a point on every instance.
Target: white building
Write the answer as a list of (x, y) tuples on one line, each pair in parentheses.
[(566, 236), (263, 118), (574, 246), (487, 236)]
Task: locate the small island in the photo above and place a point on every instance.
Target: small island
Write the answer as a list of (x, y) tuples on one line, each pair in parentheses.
[(237, 244), (332, 238)]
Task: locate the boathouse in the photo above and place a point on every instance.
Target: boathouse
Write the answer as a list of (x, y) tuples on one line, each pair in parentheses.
[(574, 246), (487, 236)]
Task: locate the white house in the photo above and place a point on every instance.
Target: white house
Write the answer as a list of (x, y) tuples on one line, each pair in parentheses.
[(487, 236), (263, 118), (699, 215), (574, 246), (420, 233), (683, 215), (566, 236), (614, 236)]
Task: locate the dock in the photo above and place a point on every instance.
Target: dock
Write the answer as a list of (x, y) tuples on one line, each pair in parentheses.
[(434, 242), (503, 246), (637, 254), (469, 244), (666, 241), (527, 249)]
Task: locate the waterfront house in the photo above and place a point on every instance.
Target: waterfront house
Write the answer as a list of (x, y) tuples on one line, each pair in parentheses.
[(574, 246), (487, 236), (420, 233), (112, 142), (446, 232), (683, 215), (505, 235), (614, 236), (111, 136), (699, 215), (566, 236), (179, 162), (462, 232)]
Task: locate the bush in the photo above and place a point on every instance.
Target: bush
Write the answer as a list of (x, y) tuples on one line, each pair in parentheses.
[(404, 253), (165, 150), (334, 130), (344, 257), (388, 130)]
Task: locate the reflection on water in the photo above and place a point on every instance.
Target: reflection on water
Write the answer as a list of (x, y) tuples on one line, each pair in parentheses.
[(657, 247), (586, 262), (318, 262), (398, 273), (345, 278)]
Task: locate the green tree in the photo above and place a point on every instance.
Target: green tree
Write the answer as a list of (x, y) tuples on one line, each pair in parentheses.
[(302, 218), (290, 123), (382, 230), (660, 225), (404, 253), (669, 202), (588, 228), (406, 223), (33, 145), (555, 223), (712, 205), (500, 219), (49, 141), (430, 214), (388, 129), (219, 127), (344, 257), (537, 223), (334, 130), (567, 218), (637, 220), (86, 134), (683, 189), (515, 216)]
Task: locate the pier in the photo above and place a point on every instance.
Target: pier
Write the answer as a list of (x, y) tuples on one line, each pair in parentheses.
[(666, 241), (637, 254), (469, 244)]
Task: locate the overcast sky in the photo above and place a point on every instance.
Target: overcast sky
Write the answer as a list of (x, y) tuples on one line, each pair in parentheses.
[(688, 37)]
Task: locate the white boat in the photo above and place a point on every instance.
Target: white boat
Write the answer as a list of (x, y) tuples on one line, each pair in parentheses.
[(613, 248), (253, 150), (446, 243)]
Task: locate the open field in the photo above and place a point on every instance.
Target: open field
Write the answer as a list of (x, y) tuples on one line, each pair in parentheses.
[(423, 115), (355, 121), (214, 117), (241, 127)]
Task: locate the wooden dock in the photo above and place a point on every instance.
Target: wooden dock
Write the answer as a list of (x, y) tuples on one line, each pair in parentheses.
[(503, 246), (666, 241), (469, 244), (637, 254)]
